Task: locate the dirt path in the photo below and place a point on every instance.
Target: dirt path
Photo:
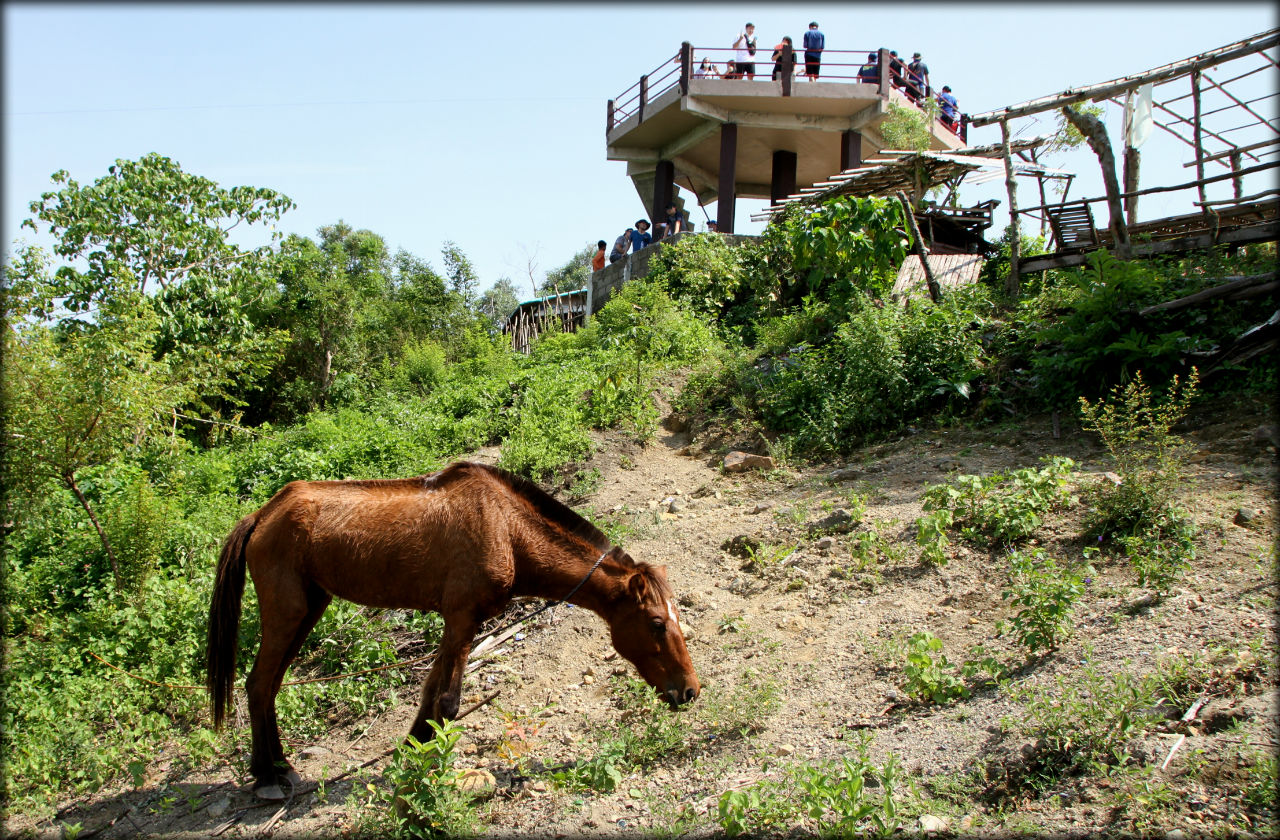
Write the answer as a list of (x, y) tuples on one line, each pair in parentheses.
[(825, 626)]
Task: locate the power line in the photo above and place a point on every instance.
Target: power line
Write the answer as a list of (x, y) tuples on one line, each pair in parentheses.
[(159, 108)]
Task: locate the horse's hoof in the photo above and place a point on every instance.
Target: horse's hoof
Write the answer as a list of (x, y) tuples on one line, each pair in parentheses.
[(269, 792), (292, 777)]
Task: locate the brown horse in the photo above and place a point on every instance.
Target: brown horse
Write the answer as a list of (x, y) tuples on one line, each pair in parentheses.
[(463, 542)]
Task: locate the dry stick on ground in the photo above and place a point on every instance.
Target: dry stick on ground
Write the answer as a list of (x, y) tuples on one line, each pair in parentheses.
[(935, 291)]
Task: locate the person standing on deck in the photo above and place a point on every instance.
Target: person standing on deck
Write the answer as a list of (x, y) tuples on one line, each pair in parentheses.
[(706, 70), (918, 76), (949, 107), (869, 73), (814, 43), (597, 259), (620, 246), (745, 52), (640, 236), (779, 68)]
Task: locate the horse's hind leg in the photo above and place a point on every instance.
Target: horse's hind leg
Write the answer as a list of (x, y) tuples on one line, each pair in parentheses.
[(289, 613), (442, 689)]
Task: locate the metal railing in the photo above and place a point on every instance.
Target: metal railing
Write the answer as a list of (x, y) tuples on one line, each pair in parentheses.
[(852, 66)]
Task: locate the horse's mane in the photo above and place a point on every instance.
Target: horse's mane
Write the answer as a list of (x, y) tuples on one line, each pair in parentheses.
[(547, 506), (556, 512)]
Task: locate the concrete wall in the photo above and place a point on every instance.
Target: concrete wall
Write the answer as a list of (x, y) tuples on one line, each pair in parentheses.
[(612, 277)]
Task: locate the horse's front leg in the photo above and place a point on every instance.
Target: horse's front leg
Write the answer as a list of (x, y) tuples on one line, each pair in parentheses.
[(442, 690)]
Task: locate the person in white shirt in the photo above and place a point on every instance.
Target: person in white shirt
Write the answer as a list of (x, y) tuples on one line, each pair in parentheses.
[(745, 52), (706, 70)]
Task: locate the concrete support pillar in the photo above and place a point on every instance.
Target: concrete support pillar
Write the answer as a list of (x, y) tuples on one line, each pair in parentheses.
[(850, 150), (728, 175), (783, 182), (664, 187)]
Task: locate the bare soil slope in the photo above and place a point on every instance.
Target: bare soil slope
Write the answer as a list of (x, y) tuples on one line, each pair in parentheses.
[(826, 626)]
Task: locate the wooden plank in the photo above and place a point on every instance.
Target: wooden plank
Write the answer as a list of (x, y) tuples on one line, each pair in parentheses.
[(1235, 150), (1265, 232)]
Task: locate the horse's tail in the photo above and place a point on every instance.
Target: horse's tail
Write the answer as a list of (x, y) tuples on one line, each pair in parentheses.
[(224, 619)]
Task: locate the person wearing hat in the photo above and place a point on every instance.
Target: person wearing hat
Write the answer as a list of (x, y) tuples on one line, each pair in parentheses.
[(869, 74), (814, 43), (640, 236), (949, 107), (918, 76), (712, 226)]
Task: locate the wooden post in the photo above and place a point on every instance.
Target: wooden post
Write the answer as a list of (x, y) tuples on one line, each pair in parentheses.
[(935, 291), (728, 177), (1199, 144), (964, 127), (1096, 135), (850, 150), (1011, 282), (1132, 162), (664, 182), (611, 117), (783, 180), (1044, 217), (1237, 188), (686, 67), (644, 95)]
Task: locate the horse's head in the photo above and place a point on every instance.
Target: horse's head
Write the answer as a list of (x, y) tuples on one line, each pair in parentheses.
[(645, 629)]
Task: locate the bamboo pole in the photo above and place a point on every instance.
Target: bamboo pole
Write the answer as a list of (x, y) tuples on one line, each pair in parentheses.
[(1011, 282), (1196, 128)]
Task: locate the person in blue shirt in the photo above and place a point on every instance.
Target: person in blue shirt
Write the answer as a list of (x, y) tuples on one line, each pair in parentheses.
[(814, 43), (640, 235), (949, 107)]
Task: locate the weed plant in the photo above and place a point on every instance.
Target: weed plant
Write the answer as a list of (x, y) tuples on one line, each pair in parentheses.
[(992, 510), (926, 674), (1044, 595), (850, 798), (426, 799), (1149, 458)]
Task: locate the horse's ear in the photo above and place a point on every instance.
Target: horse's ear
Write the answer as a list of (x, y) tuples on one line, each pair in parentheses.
[(638, 587)]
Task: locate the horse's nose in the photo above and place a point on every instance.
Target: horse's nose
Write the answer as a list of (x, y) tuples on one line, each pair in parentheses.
[(676, 696), (690, 694)]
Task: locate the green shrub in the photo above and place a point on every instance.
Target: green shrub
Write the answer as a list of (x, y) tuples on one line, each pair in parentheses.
[(427, 801), (997, 509), (1150, 459), (1045, 595), (926, 677)]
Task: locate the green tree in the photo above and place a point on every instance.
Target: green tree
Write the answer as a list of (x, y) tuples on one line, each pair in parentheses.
[(150, 229), (78, 396), (571, 276), (461, 273), (498, 302)]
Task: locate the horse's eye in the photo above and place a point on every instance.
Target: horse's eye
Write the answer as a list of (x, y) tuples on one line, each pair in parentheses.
[(658, 625)]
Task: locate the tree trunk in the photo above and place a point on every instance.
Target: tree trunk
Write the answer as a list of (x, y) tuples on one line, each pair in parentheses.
[(935, 291), (1132, 163), (1096, 134), (1015, 243), (69, 479)]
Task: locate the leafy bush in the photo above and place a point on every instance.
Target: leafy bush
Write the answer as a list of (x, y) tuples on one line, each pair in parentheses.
[(1149, 458), (1046, 595), (427, 799), (998, 509), (926, 678)]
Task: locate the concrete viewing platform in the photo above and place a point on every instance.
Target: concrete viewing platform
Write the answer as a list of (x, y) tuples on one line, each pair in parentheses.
[(724, 138)]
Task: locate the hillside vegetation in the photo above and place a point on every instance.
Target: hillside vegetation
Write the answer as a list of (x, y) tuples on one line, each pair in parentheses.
[(160, 382)]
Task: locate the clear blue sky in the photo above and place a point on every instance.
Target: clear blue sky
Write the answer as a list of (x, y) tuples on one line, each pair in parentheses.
[(484, 125)]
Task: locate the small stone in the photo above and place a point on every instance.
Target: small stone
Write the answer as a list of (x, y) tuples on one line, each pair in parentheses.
[(838, 522), (314, 752), (477, 781), (762, 507), (540, 786), (588, 680), (825, 544), (736, 462), (687, 632), (844, 474), (949, 464), (784, 750), (220, 807), (892, 696), (675, 505), (1264, 435), (1175, 834), (931, 824), (1244, 516)]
